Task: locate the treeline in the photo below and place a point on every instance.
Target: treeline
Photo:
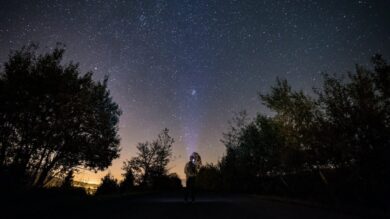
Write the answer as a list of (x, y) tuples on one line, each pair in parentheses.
[(333, 145)]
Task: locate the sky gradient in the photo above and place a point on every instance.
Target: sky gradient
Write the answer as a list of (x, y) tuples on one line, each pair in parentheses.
[(188, 65)]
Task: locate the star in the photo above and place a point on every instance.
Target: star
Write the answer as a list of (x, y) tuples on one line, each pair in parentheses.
[(193, 92)]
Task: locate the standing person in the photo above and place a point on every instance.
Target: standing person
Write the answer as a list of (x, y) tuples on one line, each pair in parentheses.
[(191, 170)]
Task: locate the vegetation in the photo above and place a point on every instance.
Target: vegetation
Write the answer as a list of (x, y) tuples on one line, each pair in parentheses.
[(149, 167), (52, 119), (127, 183), (209, 178), (333, 145), (147, 171), (68, 181), (109, 185)]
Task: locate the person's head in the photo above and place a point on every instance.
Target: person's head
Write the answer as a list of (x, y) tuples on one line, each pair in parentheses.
[(192, 158)]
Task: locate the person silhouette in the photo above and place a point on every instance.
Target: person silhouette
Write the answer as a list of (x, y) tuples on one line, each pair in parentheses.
[(191, 170)]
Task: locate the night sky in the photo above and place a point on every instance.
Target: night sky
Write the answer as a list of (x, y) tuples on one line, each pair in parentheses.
[(189, 65)]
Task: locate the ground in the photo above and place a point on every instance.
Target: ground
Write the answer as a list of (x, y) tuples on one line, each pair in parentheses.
[(172, 205)]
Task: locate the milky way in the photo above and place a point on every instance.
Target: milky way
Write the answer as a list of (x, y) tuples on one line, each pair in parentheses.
[(189, 65)]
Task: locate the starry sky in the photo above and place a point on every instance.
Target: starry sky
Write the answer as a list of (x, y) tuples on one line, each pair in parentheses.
[(189, 65)]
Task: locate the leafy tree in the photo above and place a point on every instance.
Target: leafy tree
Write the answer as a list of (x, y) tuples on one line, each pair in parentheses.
[(209, 178), (54, 118), (174, 181), (339, 135), (152, 159), (69, 189), (295, 115), (255, 156), (231, 139), (231, 170), (356, 125), (128, 181), (108, 185)]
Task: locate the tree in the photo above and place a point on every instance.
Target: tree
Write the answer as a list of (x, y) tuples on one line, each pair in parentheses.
[(209, 178), (151, 160), (337, 138), (256, 154), (230, 167), (108, 185), (167, 182), (127, 183), (356, 125), (54, 118), (295, 116), (68, 181)]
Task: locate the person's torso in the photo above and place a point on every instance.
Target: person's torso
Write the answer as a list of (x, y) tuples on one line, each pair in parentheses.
[(190, 169)]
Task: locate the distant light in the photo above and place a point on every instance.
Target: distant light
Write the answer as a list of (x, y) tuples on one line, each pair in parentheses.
[(193, 92)]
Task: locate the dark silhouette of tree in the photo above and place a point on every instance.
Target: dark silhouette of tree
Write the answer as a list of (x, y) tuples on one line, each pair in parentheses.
[(127, 183), (209, 178), (167, 182), (356, 125), (174, 181), (152, 159), (256, 154), (68, 181), (229, 164), (69, 189), (295, 117), (109, 185), (335, 141), (53, 117)]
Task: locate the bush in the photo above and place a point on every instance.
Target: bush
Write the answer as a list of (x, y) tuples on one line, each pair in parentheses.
[(167, 182), (209, 178), (109, 185)]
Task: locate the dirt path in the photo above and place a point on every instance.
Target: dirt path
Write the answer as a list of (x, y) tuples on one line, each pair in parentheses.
[(172, 205), (210, 206)]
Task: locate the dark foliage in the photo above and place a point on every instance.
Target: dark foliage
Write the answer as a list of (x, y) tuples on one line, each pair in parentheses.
[(167, 182), (109, 185), (209, 178), (53, 118), (149, 167), (332, 145), (68, 189), (68, 181), (127, 184)]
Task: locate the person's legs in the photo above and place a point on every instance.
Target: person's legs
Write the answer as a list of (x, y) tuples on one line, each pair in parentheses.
[(192, 188), (187, 190)]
